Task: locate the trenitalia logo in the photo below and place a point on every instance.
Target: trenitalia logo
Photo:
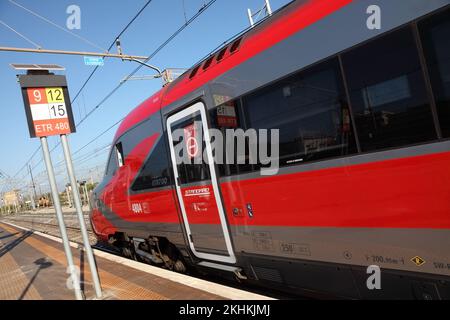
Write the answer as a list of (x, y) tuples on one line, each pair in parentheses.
[(228, 146), (197, 192)]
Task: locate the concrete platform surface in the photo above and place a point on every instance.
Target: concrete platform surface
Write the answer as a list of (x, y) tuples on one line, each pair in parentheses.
[(33, 267)]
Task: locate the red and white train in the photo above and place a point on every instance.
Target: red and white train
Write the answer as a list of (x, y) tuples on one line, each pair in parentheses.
[(360, 91)]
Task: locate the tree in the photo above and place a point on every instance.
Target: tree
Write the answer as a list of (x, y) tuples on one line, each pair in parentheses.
[(91, 186)]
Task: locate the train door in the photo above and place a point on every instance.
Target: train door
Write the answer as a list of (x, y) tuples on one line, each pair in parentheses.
[(196, 185)]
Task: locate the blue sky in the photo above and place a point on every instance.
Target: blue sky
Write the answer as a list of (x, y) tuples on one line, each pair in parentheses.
[(101, 21)]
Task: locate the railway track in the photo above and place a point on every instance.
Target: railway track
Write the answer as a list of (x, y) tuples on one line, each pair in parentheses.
[(56, 226), (47, 224)]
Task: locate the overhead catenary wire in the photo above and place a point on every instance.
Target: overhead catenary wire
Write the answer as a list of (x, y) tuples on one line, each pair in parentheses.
[(153, 54), (94, 154), (88, 78), (99, 136), (240, 33), (206, 6), (85, 157), (27, 162), (165, 43), (57, 25), (59, 169), (74, 53), (20, 34), (184, 10), (85, 146), (112, 45)]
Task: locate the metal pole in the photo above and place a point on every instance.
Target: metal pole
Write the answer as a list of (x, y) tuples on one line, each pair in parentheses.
[(33, 204), (77, 202), (59, 216), (250, 18), (88, 201), (148, 66), (68, 197), (77, 53), (268, 8), (82, 194), (32, 181)]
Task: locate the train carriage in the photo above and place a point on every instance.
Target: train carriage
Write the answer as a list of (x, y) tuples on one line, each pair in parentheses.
[(363, 113)]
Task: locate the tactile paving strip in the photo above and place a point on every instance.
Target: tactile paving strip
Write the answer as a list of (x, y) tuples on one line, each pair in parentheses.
[(115, 287), (14, 284)]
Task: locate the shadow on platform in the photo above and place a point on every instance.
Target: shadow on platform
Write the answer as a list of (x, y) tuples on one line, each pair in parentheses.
[(8, 247), (42, 263), (9, 235)]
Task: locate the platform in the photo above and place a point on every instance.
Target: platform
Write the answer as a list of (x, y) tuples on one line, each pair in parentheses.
[(33, 267)]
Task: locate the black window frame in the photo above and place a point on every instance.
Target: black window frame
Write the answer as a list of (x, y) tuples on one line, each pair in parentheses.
[(244, 124), (111, 165), (413, 25), (118, 150), (139, 184), (411, 28), (434, 86)]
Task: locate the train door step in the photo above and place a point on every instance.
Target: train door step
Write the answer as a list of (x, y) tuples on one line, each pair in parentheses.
[(236, 270)]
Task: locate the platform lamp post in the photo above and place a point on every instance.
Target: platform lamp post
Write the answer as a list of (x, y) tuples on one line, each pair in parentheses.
[(69, 202), (49, 113), (83, 186)]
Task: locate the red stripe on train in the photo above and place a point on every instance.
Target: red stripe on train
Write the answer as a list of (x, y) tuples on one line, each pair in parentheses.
[(144, 207), (101, 226), (410, 192), (403, 193)]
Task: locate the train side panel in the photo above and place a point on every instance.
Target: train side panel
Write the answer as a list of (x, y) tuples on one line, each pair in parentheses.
[(131, 199), (383, 213), (319, 223)]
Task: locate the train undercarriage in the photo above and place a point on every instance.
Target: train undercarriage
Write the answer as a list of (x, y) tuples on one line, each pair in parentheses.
[(153, 250)]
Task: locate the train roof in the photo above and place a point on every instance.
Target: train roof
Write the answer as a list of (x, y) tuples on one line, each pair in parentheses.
[(288, 20)]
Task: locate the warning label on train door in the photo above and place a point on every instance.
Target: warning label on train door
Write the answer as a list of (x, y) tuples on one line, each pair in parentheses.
[(192, 145)]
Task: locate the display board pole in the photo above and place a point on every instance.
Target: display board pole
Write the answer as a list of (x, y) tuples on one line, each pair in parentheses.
[(59, 215), (77, 203)]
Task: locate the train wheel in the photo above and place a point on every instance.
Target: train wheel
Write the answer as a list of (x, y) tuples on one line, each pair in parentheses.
[(179, 266)]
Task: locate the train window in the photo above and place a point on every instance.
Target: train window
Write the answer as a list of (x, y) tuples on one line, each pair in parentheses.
[(208, 63), (155, 172), (119, 153), (112, 164), (221, 54), (189, 170), (310, 111), (235, 45), (194, 72), (435, 33), (229, 116), (388, 93)]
